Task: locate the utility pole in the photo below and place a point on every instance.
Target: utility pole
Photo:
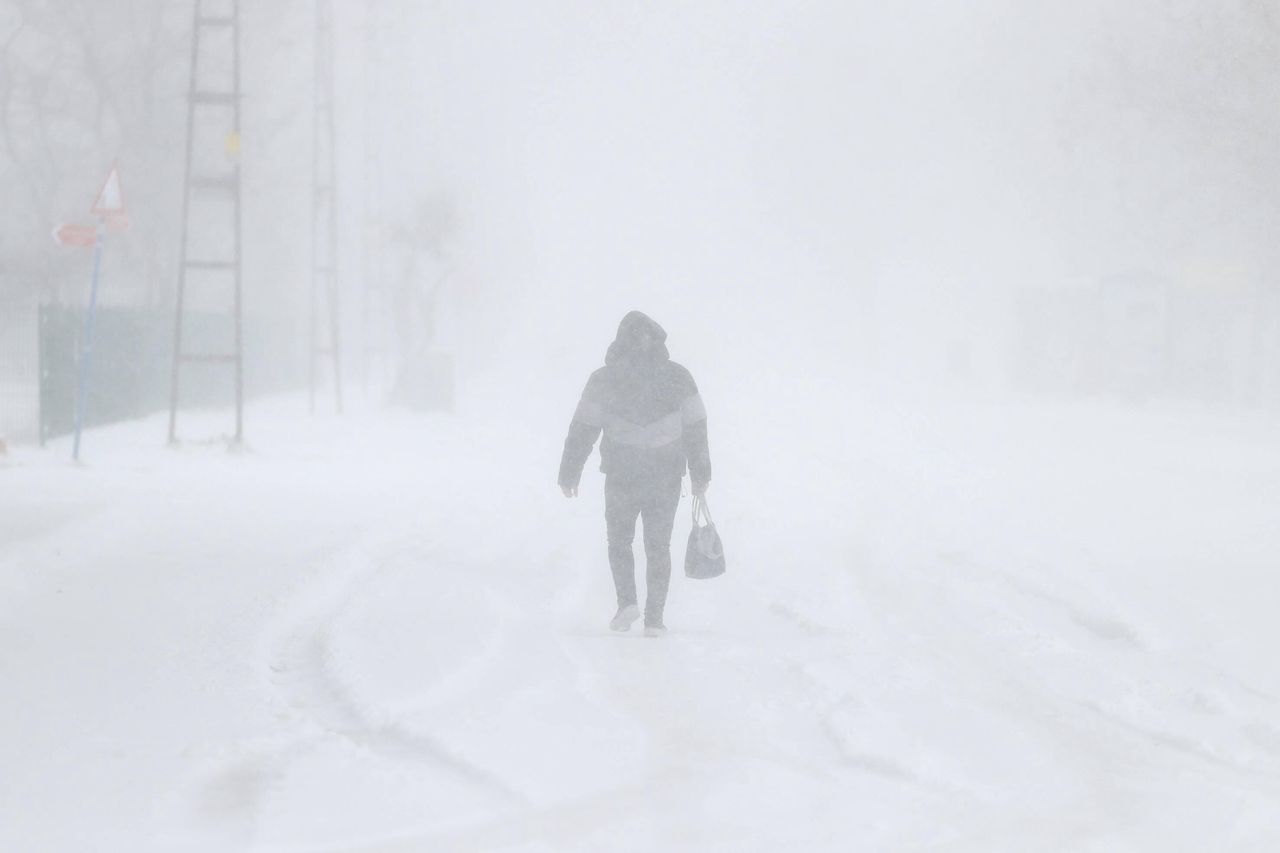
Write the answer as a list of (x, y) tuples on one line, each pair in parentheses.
[(324, 219), (373, 309), (215, 52)]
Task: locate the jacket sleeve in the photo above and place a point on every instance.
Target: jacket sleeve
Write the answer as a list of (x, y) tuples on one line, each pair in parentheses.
[(585, 428), (693, 417)]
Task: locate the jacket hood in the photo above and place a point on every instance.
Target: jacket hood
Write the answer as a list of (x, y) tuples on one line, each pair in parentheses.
[(640, 339)]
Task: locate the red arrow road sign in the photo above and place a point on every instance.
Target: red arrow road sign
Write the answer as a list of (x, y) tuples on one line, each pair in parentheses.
[(82, 236), (109, 206)]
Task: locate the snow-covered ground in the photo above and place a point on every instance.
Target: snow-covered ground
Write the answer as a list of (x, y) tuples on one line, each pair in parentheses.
[(945, 627)]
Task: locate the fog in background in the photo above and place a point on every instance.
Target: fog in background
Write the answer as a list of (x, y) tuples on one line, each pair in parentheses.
[(983, 302), (831, 187), (823, 187)]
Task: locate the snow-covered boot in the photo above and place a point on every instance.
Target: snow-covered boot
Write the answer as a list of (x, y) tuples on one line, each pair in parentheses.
[(654, 629), (624, 617)]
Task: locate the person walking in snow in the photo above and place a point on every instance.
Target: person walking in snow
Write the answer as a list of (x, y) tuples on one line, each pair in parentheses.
[(654, 424)]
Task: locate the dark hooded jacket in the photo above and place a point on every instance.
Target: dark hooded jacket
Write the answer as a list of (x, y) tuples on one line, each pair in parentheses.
[(648, 408)]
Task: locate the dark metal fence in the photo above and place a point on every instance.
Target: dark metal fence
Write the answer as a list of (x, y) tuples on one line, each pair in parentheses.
[(132, 357), (19, 372), (127, 370)]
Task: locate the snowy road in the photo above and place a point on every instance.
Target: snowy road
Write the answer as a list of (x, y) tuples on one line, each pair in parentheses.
[(387, 634)]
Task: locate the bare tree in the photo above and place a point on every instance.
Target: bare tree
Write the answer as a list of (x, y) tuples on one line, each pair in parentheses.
[(84, 84)]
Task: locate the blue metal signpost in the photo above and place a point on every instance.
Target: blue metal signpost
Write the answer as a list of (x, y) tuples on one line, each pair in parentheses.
[(109, 208), (86, 342)]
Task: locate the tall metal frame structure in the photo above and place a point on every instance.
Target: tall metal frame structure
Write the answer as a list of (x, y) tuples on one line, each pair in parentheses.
[(324, 219), (228, 183)]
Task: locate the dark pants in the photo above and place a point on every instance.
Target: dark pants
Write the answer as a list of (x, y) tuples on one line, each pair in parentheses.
[(656, 503)]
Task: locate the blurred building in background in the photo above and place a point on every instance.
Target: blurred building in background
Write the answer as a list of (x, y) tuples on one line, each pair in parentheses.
[(1209, 335)]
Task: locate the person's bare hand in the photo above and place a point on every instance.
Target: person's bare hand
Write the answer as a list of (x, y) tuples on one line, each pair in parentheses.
[(569, 491)]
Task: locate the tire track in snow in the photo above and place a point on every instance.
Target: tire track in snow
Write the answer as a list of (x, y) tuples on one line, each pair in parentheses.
[(302, 672), (559, 824), (1063, 631), (684, 756), (237, 781)]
